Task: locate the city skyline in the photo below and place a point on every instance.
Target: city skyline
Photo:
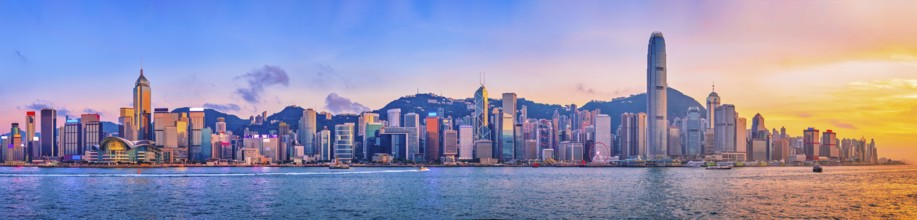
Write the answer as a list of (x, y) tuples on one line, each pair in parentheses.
[(836, 78)]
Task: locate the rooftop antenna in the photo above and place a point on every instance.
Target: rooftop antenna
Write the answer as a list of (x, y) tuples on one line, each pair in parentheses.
[(714, 86)]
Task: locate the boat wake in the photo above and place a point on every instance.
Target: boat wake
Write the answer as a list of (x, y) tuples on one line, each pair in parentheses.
[(201, 174)]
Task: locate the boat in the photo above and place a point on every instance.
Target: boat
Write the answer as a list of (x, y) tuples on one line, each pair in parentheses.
[(338, 166), (535, 165), (422, 168), (816, 168), (719, 167)]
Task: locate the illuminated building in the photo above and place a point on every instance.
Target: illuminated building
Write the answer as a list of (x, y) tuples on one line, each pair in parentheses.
[(343, 143), (126, 127), (142, 107), (432, 146), (810, 143)]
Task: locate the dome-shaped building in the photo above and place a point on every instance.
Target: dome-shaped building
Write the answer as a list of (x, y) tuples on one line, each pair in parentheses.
[(120, 150)]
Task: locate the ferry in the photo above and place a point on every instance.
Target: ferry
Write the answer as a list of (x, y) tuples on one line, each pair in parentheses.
[(719, 167), (338, 166)]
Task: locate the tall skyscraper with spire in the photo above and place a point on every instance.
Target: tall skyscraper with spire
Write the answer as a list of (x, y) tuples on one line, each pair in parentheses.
[(481, 107), (657, 125), (142, 109), (713, 101)]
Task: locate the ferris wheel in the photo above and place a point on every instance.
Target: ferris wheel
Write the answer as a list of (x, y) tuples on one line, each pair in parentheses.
[(598, 157)]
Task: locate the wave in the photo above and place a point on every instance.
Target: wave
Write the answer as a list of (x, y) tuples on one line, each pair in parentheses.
[(200, 174)]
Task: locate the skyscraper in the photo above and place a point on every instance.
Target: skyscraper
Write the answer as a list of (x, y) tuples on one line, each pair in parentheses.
[(48, 133), (432, 147), (307, 130), (71, 137), (657, 125), (450, 145), (196, 139), (603, 135), (323, 145), (14, 150), (126, 129), (363, 151), (91, 132), (713, 101), (466, 142), (725, 129), (220, 125), (343, 143), (142, 107), (507, 137), (32, 150), (810, 143), (633, 135), (412, 122), (828, 146), (509, 105), (481, 111), (693, 133), (394, 117)]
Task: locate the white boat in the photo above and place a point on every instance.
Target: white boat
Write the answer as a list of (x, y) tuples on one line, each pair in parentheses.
[(422, 168)]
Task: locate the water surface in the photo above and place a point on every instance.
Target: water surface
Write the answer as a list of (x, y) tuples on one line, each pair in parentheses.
[(404, 193)]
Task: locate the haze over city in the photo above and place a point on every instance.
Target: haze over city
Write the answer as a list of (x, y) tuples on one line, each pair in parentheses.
[(850, 66)]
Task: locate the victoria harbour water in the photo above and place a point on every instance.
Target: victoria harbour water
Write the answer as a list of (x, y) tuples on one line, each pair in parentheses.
[(458, 193)]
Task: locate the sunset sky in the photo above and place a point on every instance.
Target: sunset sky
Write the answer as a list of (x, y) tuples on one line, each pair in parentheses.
[(849, 66)]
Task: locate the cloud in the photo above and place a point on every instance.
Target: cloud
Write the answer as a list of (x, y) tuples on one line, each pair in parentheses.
[(326, 77), (92, 111), (804, 114), (843, 125), (259, 79), (40, 104), (21, 57), (337, 105), (223, 107), (582, 88)]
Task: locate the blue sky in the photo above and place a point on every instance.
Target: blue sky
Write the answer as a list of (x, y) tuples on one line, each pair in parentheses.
[(84, 56)]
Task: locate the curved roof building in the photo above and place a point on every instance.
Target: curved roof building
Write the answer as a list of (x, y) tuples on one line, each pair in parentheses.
[(116, 149)]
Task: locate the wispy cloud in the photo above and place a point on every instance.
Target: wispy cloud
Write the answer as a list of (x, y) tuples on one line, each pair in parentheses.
[(223, 107), (843, 125), (40, 104), (337, 105), (92, 111), (325, 77), (259, 79), (22, 58)]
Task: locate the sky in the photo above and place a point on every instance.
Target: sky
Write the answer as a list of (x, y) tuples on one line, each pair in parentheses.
[(849, 66)]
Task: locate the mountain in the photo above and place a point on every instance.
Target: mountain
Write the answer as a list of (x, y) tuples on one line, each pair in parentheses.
[(110, 127), (233, 123), (678, 104), (423, 104)]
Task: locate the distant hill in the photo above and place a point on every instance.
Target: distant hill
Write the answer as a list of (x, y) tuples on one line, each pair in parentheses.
[(423, 104), (678, 104), (233, 123)]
